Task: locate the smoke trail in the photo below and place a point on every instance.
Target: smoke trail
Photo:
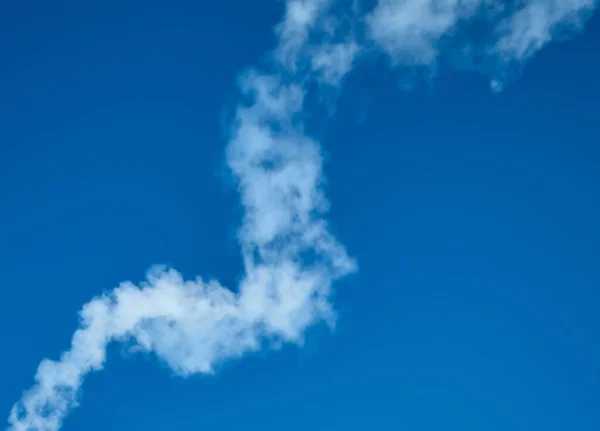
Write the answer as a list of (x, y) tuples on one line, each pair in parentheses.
[(290, 257)]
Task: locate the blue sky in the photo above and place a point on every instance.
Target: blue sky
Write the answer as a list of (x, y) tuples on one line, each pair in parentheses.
[(472, 216)]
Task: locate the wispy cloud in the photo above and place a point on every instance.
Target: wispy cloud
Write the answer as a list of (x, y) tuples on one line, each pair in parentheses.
[(301, 17), (425, 32), (522, 33), (290, 257), (410, 31)]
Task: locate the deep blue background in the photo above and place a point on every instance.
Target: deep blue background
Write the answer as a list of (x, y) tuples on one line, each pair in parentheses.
[(474, 218)]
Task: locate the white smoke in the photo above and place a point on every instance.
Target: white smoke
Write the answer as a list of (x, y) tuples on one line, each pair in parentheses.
[(290, 257)]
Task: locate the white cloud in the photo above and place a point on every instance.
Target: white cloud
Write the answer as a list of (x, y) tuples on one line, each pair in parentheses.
[(419, 32), (290, 257), (301, 16), (334, 61), (328, 59), (410, 30), (193, 325), (535, 24)]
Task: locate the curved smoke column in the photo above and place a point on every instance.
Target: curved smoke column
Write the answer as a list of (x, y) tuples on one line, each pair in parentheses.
[(290, 258)]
